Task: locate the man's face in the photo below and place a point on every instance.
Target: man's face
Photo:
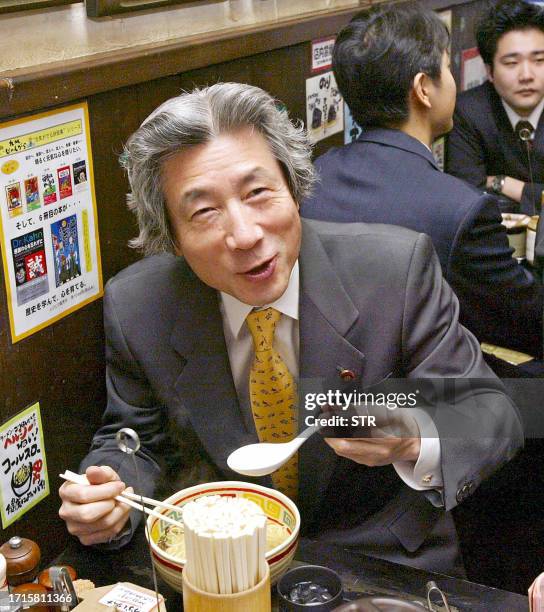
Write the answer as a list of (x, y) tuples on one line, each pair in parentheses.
[(518, 69), (443, 99), (233, 217)]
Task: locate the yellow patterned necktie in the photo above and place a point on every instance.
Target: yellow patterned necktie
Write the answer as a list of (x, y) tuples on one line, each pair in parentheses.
[(273, 395)]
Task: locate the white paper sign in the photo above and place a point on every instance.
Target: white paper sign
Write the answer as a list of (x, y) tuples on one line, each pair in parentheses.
[(324, 107), (322, 54), (129, 600), (23, 467), (473, 71), (48, 225)]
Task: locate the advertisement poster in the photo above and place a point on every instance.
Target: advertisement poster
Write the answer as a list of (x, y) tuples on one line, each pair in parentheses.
[(324, 107), (352, 130), (23, 468), (30, 266), (322, 54), (472, 69), (48, 221)]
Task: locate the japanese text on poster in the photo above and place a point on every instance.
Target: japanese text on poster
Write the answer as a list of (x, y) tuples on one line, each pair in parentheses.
[(324, 107), (23, 468), (322, 54), (48, 222)]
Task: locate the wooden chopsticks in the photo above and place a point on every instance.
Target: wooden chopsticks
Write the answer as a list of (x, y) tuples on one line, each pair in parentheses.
[(225, 541), (131, 499)]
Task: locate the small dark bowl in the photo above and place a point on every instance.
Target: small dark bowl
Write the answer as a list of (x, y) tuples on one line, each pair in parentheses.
[(309, 573)]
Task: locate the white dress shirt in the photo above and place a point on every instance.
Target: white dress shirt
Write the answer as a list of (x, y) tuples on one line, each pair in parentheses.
[(533, 118), (424, 474)]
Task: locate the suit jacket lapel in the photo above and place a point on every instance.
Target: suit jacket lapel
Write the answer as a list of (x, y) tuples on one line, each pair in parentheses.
[(206, 383), (326, 315)]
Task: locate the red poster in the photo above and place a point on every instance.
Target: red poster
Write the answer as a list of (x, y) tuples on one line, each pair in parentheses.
[(65, 182)]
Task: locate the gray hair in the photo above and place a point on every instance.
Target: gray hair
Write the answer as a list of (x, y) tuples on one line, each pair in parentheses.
[(197, 117)]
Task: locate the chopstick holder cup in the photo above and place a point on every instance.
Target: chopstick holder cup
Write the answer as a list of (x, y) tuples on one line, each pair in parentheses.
[(256, 599)]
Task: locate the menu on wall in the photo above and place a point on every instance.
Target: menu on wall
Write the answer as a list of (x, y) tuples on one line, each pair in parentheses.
[(48, 220), (23, 468)]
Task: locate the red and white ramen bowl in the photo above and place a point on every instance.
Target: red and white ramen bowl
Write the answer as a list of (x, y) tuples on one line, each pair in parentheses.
[(279, 509)]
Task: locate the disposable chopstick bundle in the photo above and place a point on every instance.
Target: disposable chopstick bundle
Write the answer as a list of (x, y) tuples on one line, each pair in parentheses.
[(225, 539)]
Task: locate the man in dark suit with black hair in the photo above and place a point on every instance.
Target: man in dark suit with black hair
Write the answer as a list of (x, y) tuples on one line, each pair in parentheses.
[(497, 142), (392, 67)]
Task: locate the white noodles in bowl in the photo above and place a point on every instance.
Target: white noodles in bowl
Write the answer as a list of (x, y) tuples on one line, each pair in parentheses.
[(172, 541)]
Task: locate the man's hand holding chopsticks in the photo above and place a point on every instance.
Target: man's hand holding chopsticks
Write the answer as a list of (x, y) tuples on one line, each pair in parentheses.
[(91, 512)]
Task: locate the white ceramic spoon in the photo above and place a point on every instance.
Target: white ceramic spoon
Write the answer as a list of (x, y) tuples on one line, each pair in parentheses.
[(266, 457)]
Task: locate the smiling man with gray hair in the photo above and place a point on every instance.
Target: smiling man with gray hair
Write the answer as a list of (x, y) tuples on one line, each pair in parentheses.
[(239, 303)]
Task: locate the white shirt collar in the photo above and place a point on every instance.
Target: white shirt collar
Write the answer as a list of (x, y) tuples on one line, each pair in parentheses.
[(533, 118), (235, 312)]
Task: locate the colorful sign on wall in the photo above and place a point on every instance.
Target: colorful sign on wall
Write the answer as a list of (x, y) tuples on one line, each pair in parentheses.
[(23, 468), (48, 221)]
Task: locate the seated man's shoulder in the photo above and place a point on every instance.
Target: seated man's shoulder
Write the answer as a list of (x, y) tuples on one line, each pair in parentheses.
[(366, 253), (475, 97), (152, 272), (149, 265), (454, 190), (334, 156), (377, 235)]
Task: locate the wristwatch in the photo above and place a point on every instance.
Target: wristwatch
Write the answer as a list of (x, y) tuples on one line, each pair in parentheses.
[(497, 184)]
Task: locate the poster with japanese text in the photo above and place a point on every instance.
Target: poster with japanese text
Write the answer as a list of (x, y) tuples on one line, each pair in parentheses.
[(324, 107), (322, 54), (48, 220), (352, 130), (473, 71), (23, 467)]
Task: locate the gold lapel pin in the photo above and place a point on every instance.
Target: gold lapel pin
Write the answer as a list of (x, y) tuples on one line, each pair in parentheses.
[(345, 374)]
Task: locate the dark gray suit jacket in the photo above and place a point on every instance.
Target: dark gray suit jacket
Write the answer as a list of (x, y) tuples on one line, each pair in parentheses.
[(372, 299)]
